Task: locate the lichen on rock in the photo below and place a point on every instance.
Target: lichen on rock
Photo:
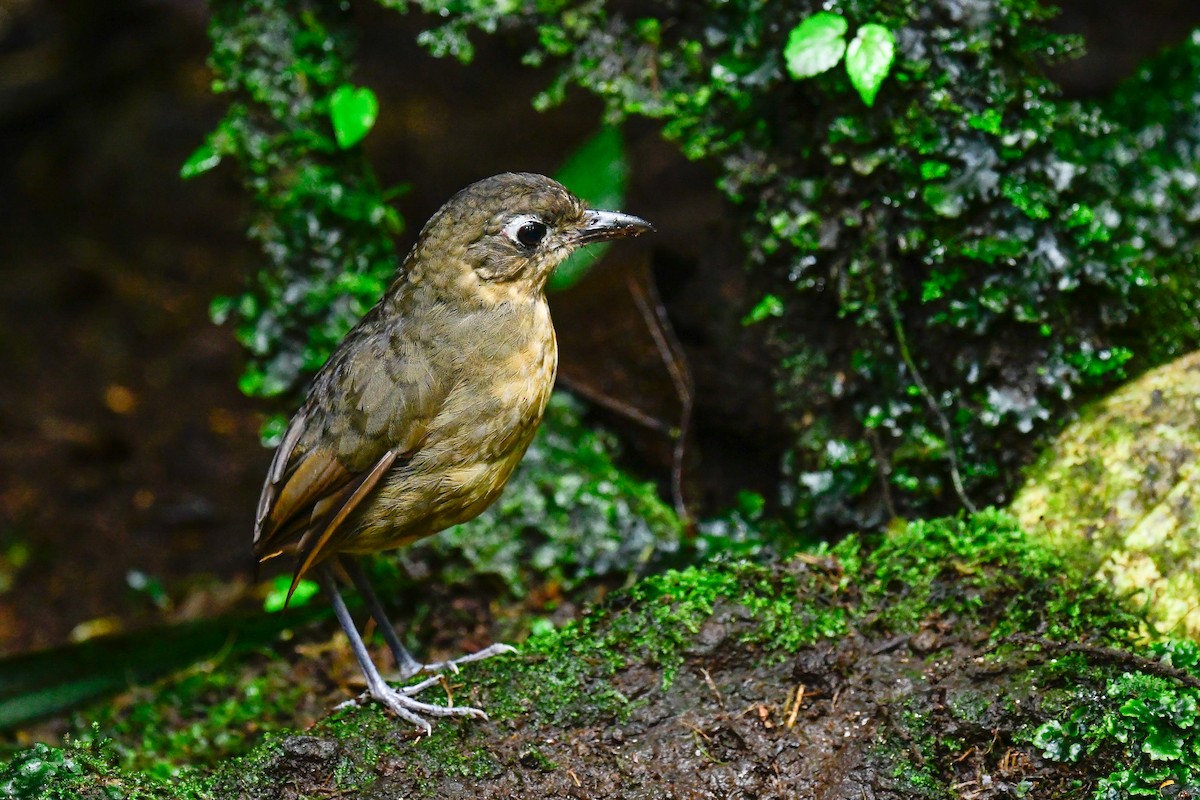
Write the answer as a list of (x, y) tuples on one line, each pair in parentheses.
[(1120, 491)]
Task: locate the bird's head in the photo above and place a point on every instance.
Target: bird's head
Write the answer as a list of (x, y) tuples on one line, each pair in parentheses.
[(500, 238)]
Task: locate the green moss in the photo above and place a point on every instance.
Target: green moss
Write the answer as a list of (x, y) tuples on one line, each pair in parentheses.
[(993, 566), (972, 578), (915, 749), (199, 716), (85, 771), (1112, 493)]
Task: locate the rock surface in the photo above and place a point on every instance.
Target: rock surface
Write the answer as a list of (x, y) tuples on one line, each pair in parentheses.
[(1120, 490)]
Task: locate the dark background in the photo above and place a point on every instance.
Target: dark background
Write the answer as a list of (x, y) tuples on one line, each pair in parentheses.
[(124, 443)]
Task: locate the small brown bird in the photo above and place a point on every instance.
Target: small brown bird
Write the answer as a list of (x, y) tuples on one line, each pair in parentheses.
[(420, 415)]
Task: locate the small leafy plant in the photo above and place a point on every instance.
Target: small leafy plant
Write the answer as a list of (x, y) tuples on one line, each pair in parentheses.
[(1148, 722), (352, 109), (817, 44)]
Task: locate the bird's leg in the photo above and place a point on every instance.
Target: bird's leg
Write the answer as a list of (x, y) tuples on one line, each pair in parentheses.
[(400, 701), (405, 663)]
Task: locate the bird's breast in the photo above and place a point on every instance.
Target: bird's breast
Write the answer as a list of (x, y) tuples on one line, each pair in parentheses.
[(503, 376), (503, 391)]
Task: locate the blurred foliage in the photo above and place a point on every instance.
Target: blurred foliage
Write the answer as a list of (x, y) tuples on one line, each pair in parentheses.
[(1156, 175), (321, 219), (48, 682), (956, 265)]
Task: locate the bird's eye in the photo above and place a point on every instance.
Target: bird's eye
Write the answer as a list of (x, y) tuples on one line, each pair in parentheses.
[(526, 231), (531, 233)]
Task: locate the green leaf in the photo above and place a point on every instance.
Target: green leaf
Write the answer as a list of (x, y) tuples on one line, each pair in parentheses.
[(220, 308), (869, 59), (276, 599), (202, 159), (597, 172), (1163, 745), (815, 45), (769, 306), (353, 111)]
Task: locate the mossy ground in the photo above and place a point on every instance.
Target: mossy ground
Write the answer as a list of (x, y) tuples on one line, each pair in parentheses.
[(946, 661)]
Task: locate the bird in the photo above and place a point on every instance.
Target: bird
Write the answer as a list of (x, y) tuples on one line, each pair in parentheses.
[(419, 416)]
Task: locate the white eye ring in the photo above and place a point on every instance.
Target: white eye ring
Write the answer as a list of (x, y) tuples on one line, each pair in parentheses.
[(526, 231)]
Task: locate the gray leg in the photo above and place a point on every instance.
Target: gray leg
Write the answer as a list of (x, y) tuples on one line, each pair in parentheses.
[(405, 663), (400, 701)]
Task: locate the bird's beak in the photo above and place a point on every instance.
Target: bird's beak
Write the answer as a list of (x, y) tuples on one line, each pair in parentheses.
[(601, 225)]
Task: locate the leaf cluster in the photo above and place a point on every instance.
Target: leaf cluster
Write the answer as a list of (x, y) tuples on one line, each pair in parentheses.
[(948, 271), (1143, 722)]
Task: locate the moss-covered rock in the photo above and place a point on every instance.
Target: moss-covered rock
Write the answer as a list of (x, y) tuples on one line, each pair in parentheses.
[(948, 656), (1120, 492)]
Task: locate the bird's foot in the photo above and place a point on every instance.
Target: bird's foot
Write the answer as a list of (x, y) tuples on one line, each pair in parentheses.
[(452, 665), (400, 701)]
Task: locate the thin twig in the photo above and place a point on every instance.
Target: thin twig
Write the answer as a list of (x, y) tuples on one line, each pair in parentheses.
[(645, 296), (791, 720), (930, 400), (618, 406), (713, 686)]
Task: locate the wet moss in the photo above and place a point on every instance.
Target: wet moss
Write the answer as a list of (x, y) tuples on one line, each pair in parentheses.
[(206, 713), (975, 579), (86, 771), (997, 574)]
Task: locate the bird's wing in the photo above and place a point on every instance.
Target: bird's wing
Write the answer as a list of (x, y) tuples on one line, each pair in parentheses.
[(368, 410)]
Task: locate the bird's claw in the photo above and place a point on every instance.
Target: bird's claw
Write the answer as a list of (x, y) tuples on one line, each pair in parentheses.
[(401, 703), (452, 665), (399, 700)]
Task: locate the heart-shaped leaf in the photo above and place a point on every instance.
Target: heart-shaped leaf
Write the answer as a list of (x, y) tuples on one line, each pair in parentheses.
[(353, 110), (869, 58), (815, 45)]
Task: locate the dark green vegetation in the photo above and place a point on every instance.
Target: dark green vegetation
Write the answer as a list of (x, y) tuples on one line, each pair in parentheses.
[(1155, 171), (942, 275), (946, 272), (322, 220), (951, 647)]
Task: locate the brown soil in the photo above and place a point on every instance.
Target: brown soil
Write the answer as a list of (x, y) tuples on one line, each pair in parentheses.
[(877, 718)]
